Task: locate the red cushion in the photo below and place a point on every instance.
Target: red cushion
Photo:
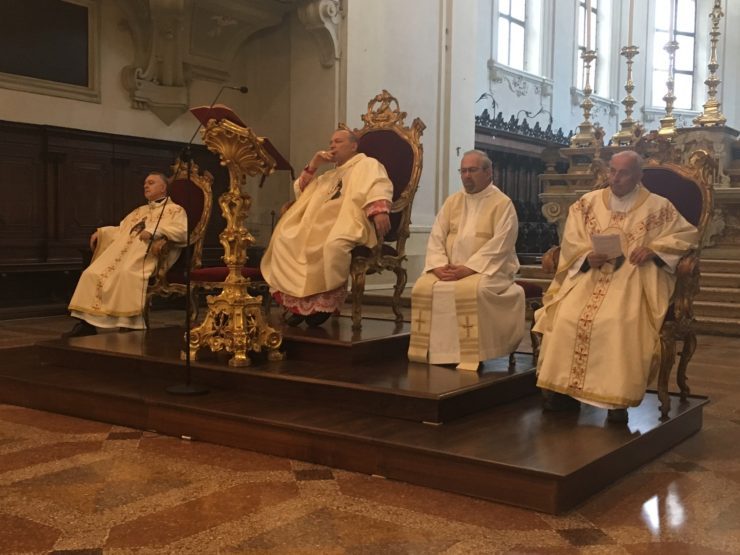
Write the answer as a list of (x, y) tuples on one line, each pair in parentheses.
[(683, 193), (397, 156), (190, 197)]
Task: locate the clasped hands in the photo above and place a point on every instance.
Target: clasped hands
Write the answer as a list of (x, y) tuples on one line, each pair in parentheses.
[(452, 272), (638, 257)]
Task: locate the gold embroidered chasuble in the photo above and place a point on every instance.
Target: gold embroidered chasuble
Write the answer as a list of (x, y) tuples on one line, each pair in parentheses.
[(111, 291), (601, 327), (310, 249), (481, 316)]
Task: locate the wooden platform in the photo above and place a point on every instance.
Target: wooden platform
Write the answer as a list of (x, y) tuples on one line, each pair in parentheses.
[(355, 417)]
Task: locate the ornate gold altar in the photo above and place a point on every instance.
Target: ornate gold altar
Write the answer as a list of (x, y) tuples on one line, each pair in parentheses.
[(235, 321)]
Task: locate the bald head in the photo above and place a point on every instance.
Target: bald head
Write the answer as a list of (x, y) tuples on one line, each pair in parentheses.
[(625, 172)]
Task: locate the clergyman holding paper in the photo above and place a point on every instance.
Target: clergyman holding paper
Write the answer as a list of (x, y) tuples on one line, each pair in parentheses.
[(604, 308)]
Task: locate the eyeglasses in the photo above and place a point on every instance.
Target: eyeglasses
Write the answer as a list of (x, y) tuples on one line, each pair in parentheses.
[(462, 171)]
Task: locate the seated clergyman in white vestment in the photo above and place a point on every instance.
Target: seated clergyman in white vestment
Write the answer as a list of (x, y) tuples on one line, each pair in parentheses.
[(112, 290), (603, 311), (465, 307), (307, 261)]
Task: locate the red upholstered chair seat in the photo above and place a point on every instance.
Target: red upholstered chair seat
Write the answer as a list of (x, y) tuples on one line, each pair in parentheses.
[(215, 274)]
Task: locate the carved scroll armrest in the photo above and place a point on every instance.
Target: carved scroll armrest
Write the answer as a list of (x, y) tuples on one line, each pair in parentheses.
[(687, 286), (160, 249), (550, 260)]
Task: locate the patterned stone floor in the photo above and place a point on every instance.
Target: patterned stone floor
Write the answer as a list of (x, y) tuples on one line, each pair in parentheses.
[(80, 487)]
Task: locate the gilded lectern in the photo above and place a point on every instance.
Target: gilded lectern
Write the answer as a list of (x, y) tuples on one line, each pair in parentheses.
[(235, 321)]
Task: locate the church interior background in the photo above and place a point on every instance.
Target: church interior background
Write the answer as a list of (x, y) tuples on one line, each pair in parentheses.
[(95, 93)]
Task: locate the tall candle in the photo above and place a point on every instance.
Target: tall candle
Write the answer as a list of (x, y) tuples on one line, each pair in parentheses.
[(588, 24), (631, 18), (672, 22)]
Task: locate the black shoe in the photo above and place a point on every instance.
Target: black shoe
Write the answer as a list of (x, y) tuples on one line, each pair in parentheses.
[(557, 402), (294, 320), (80, 329), (317, 318), (618, 416)]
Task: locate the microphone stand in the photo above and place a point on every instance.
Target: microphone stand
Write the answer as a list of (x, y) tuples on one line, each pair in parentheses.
[(188, 388)]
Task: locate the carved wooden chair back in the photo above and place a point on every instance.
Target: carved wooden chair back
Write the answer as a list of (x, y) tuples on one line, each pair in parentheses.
[(398, 147)]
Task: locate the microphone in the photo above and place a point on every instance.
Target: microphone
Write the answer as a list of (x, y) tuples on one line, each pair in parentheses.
[(242, 89), (185, 154)]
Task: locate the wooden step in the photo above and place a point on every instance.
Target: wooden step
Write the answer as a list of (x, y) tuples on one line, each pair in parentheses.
[(512, 453), (719, 294), (315, 368), (714, 325), (719, 309), (716, 279), (720, 266)]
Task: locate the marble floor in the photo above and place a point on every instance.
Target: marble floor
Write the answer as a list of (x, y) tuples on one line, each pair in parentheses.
[(80, 487)]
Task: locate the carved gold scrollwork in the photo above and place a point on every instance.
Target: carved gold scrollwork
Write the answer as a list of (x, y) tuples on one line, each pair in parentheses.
[(235, 321)]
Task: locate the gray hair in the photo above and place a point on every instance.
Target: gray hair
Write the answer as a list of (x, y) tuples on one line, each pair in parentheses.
[(350, 134), (485, 161), (633, 156), (162, 176)]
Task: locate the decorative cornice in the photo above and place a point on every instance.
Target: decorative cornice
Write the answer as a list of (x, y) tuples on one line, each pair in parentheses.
[(321, 18), (519, 82), (176, 40)]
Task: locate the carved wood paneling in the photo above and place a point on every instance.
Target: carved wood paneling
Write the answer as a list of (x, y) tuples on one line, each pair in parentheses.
[(58, 185), (22, 190)]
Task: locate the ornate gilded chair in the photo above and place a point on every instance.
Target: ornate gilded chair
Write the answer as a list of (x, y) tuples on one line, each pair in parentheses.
[(398, 147), (689, 188), (194, 195)]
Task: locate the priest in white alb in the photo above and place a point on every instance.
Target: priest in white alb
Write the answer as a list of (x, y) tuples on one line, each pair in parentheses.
[(112, 290), (307, 261), (465, 307), (603, 311)]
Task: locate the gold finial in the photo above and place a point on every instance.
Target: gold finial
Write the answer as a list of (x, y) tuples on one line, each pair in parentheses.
[(586, 136), (630, 130), (712, 116)]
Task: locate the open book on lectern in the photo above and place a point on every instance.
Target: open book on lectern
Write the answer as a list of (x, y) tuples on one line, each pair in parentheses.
[(220, 112)]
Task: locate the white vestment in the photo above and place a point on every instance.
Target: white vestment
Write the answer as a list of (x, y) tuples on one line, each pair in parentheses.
[(112, 290), (601, 326), (309, 252), (481, 316)]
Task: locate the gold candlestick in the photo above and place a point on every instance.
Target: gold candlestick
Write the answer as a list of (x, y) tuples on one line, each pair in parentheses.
[(668, 122), (712, 116), (630, 129), (586, 136)]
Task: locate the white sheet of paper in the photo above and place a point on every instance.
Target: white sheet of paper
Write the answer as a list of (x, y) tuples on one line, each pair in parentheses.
[(609, 244)]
